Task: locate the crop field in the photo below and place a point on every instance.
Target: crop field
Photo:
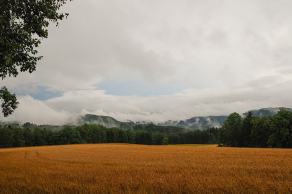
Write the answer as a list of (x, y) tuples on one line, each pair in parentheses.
[(122, 168)]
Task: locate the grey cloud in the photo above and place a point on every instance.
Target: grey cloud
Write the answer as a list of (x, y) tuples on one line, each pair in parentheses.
[(183, 105), (232, 55)]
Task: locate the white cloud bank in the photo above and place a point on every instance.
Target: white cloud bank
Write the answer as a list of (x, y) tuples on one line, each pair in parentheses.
[(66, 109)]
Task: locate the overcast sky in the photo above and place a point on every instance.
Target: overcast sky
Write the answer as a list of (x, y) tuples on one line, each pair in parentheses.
[(160, 59)]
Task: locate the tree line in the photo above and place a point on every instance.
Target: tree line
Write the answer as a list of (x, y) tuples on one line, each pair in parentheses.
[(32, 135), (237, 131), (251, 131)]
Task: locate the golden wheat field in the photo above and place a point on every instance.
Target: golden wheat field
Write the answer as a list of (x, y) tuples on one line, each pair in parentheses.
[(122, 168)]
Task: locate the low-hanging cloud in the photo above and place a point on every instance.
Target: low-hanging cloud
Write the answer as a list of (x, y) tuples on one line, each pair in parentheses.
[(67, 108)]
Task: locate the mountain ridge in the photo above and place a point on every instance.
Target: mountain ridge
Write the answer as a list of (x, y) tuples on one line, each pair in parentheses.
[(106, 121), (193, 123), (196, 122)]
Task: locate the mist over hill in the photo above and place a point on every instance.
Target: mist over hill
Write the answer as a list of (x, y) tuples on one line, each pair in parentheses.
[(267, 112), (193, 123), (268, 127), (106, 121), (217, 121)]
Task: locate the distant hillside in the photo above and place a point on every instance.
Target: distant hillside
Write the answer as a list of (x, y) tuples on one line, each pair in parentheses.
[(190, 124), (105, 121), (193, 123), (267, 112), (198, 122), (217, 121)]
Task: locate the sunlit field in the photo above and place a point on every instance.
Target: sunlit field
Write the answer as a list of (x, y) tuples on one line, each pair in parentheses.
[(118, 168)]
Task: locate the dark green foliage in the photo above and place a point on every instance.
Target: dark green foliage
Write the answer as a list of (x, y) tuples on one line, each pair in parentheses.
[(281, 130), (39, 137), (28, 137), (23, 25), (250, 131), (231, 130), (246, 129), (9, 101), (260, 132), (6, 137), (33, 135), (68, 135), (17, 137), (274, 131)]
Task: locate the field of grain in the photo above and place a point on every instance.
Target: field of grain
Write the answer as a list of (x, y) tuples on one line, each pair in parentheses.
[(118, 168)]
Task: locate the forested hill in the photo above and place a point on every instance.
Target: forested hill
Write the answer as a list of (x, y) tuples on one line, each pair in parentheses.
[(197, 122), (193, 123), (237, 130), (189, 124), (266, 112), (258, 131), (106, 121)]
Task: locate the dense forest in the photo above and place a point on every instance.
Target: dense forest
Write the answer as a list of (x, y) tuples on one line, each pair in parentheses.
[(252, 131), (237, 131), (32, 135)]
